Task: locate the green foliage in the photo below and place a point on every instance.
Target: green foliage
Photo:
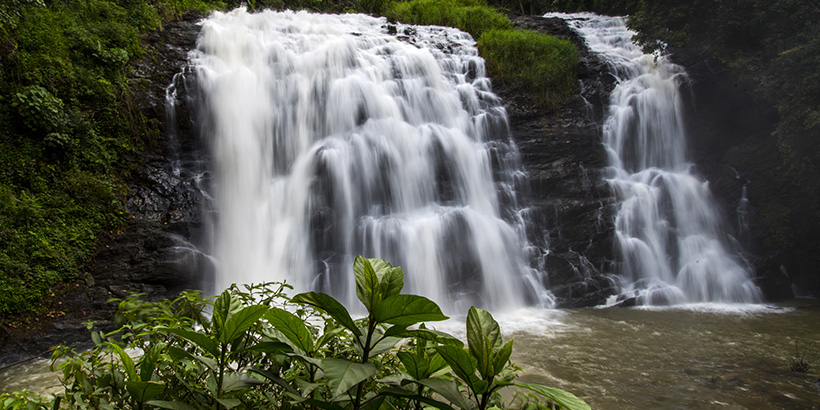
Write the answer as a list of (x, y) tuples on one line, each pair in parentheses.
[(260, 349), (471, 16), (545, 64), (66, 126), (39, 110), (12, 10)]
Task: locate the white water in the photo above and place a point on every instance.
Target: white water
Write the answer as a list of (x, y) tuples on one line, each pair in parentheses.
[(332, 138), (669, 231)]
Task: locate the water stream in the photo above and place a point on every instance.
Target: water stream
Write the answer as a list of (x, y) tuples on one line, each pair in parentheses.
[(674, 245), (332, 137)]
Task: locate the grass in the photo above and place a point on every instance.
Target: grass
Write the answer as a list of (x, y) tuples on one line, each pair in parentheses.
[(539, 62)]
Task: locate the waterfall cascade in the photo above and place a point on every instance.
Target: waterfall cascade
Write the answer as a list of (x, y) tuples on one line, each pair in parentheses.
[(669, 230), (332, 137)]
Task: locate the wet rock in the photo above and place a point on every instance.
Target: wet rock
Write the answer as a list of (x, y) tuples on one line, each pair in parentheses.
[(571, 213)]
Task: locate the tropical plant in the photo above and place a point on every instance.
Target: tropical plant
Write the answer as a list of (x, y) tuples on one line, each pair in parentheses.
[(257, 348)]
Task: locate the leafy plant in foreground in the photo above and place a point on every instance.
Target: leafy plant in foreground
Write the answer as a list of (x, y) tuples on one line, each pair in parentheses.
[(259, 349)]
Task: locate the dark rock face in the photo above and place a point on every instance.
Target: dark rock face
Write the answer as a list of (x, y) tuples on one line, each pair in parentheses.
[(154, 254), (572, 208)]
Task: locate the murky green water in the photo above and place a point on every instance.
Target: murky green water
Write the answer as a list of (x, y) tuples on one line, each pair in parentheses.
[(696, 358)]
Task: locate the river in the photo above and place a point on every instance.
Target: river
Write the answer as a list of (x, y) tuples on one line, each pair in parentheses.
[(697, 357)]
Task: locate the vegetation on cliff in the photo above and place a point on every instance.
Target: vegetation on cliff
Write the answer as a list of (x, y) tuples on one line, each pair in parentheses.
[(260, 349)]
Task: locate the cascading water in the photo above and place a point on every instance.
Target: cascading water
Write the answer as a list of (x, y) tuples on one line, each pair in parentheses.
[(668, 228), (332, 137)]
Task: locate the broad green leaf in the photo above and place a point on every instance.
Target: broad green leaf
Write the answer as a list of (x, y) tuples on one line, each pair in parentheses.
[(502, 357), (375, 403), (144, 391), (460, 361), (178, 354), (399, 331), (240, 321), (449, 390), (406, 310), (483, 338), (149, 361), (198, 339), (327, 336), (306, 387), (416, 366), (479, 386), (384, 344), (229, 403), (484, 358), (436, 363), (207, 361), (292, 327), (433, 336), (127, 362), (409, 395), (343, 374), (224, 306), (239, 381), (368, 288), (331, 306), (96, 338), (481, 322), (305, 358), (173, 405), (271, 348), (276, 379), (563, 398), (391, 280)]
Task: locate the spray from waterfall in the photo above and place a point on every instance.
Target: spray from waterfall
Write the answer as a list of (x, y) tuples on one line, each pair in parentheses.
[(671, 236), (331, 138)]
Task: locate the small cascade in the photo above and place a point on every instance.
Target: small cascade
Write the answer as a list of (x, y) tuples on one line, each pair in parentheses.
[(332, 137), (672, 240)]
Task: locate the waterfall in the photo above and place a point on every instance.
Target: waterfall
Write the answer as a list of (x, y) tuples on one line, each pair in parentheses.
[(338, 135), (669, 231)]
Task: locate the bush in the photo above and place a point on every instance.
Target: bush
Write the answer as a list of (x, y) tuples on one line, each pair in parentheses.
[(545, 64), (260, 349)]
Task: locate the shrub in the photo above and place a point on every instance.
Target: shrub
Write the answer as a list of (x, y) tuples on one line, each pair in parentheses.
[(260, 349), (545, 64)]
